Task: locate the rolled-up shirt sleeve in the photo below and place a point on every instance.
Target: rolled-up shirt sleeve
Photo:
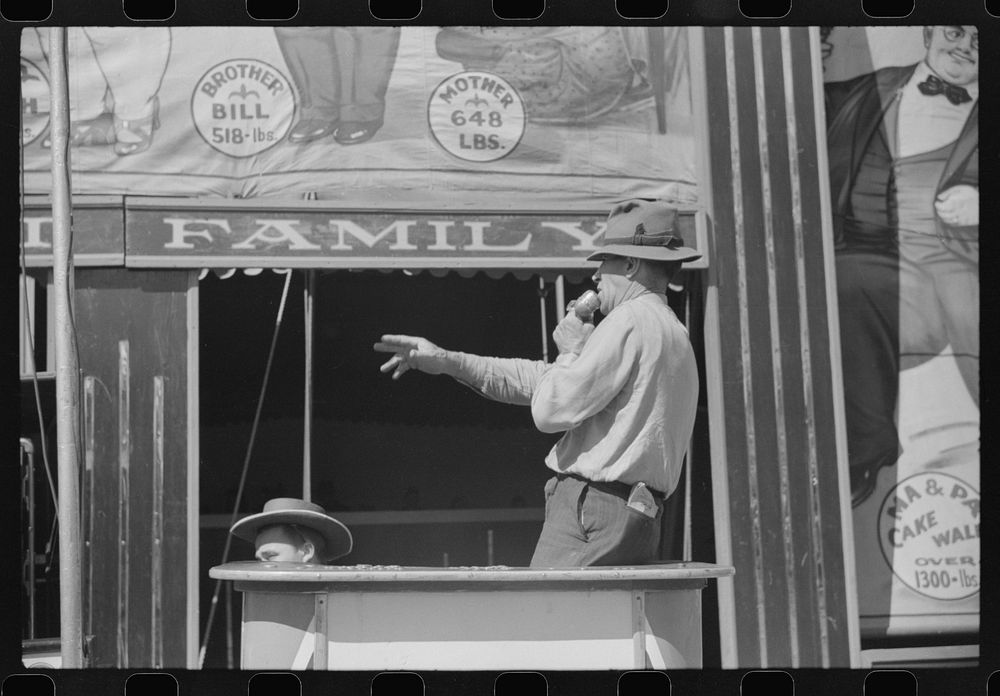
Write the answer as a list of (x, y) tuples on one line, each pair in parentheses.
[(508, 380), (571, 391)]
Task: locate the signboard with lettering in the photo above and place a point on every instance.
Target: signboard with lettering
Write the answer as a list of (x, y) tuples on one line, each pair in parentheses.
[(98, 231), (163, 233)]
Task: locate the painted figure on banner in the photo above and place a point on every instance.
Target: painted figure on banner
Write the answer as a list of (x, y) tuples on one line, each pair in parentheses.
[(572, 75), (905, 187), (904, 175), (560, 114), (341, 74), (115, 75)]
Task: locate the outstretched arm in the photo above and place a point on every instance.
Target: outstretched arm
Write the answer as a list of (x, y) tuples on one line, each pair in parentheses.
[(509, 380)]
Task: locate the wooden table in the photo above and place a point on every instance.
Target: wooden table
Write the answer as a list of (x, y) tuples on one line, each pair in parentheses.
[(393, 617)]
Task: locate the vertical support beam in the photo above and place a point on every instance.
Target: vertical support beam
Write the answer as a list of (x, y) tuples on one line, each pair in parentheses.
[(321, 657), (638, 629), (134, 341), (26, 326), (814, 511), (229, 626), (156, 565), (713, 341), (193, 457), (777, 476), (88, 503), (309, 297), (67, 374), (833, 389), (542, 293), (747, 401), (124, 507), (764, 147), (560, 298), (28, 526)]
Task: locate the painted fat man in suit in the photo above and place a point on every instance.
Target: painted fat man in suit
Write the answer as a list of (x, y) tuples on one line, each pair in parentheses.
[(904, 173)]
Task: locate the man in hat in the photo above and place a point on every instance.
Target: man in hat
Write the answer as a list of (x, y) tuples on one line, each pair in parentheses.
[(623, 394), (290, 530)]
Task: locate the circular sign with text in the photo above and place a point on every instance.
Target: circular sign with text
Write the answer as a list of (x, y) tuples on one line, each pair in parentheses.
[(34, 102), (243, 106), (476, 116), (929, 534)]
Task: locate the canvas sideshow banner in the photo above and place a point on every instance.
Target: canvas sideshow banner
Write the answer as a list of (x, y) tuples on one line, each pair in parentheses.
[(902, 130), (496, 117)]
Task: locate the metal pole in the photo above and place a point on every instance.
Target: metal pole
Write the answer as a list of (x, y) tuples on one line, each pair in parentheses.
[(28, 504), (560, 298), (229, 626), (67, 387), (544, 319), (309, 297)]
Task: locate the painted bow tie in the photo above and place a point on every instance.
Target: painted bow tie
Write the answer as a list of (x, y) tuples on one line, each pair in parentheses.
[(934, 85)]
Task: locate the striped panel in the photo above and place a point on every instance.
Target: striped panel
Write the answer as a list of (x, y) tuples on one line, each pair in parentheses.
[(789, 603)]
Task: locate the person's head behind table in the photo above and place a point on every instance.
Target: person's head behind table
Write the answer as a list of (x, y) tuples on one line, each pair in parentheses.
[(291, 530), (642, 245)]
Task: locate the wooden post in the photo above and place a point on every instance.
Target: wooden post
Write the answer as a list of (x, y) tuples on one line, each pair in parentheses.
[(542, 293), (133, 337), (67, 377), (309, 298)]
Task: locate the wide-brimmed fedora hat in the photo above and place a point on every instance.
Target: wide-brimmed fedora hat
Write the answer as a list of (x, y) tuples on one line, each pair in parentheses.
[(644, 229), (337, 540)]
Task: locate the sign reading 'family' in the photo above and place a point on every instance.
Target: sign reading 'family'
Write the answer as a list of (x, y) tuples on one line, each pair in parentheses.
[(411, 239), (290, 236)]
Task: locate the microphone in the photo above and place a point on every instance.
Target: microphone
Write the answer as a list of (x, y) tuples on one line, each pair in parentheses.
[(586, 305)]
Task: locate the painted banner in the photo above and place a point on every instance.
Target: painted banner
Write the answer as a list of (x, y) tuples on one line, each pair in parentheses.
[(902, 130), (503, 117)]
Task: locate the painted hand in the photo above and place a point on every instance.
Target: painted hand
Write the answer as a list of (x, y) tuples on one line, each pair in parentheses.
[(958, 205)]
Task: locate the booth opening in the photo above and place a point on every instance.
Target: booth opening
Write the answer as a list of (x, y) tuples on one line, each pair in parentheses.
[(424, 471)]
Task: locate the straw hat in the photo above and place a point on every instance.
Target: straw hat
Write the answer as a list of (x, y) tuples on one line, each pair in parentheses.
[(337, 540)]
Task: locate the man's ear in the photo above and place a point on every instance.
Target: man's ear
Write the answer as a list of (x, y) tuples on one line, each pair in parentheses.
[(631, 266), (927, 36), (308, 552)]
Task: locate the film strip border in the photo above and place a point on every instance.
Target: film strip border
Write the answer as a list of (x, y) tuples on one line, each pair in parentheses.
[(547, 12), (748, 683), (405, 10)]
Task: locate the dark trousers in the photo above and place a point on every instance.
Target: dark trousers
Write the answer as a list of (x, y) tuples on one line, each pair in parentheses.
[(341, 73), (900, 307), (587, 524)]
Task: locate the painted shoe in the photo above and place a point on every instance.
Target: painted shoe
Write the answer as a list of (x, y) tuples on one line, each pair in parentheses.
[(88, 133), (136, 135), (355, 132), (311, 129), (864, 479)]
